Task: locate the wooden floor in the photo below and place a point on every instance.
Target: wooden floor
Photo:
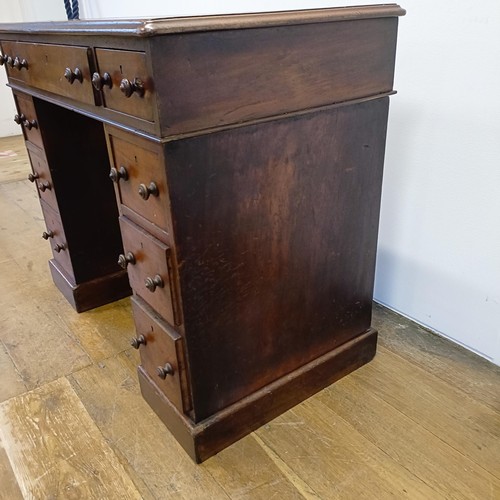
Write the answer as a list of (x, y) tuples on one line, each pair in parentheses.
[(421, 421)]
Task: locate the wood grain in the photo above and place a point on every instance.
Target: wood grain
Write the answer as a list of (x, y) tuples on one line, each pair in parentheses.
[(14, 161), (56, 450), (408, 443)]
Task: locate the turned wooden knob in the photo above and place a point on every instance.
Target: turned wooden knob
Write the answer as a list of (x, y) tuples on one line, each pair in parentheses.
[(42, 186), (116, 174), (32, 177), (71, 75), (3, 59), (29, 124), (19, 119), (137, 341), (20, 63), (163, 371), (129, 87), (99, 82), (59, 247), (146, 191), (47, 234), (153, 283), (9, 61), (125, 260)]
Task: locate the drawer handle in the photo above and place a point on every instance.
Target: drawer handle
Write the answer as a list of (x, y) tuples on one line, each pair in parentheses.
[(19, 119), (47, 234), (137, 341), (163, 371), (32, 177), (153, 283), (125, 260), (42, 186), (19, 64), (145, 191), (59, 247), (115, 175), (71, 76), (128, 87), (29, 124), (99, 82)]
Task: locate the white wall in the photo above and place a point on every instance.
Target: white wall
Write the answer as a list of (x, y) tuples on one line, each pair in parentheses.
[(439, 245)]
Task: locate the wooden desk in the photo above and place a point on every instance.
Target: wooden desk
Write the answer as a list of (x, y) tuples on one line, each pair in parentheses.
[(246, 153)]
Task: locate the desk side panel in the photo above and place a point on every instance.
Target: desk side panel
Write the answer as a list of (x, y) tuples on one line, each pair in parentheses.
[(276, 229)]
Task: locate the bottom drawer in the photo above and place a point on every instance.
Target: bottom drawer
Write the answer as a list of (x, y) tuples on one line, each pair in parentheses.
[(161, 352), (56, 237)]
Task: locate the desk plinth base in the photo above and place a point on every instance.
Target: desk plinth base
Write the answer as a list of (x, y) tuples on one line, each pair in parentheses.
[(206, 438), (93, 293)]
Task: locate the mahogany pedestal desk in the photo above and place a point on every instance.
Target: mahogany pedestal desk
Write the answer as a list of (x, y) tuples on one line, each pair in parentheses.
[(246, 154)]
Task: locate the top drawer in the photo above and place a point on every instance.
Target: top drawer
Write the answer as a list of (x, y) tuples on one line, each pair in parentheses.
[(124, 80), (60, 69)]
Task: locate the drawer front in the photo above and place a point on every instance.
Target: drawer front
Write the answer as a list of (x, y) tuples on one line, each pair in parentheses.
[(125, 83), (143, 166), (60, 69), (56, 237), (149, 269), (161, 354), (41, 176), (27, 119)]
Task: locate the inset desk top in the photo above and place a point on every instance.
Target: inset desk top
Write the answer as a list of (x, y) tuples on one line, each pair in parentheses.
[(163, 26)]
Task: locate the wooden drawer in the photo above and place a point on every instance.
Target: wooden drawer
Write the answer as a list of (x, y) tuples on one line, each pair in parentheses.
[(148, 268), (161, 346), (56, 237), (139, 163), (41, 176), (60, 69), (27, 119), (125, 82)]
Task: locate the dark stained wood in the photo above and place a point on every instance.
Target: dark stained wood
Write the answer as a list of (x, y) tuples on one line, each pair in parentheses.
[(235, 76), (161, 26), (125, 64), (163, 345), (93, 293), (247, 165), (47, 65), (152, 258), (41, 171), (277, 241), (24, 104), (143, 161), (206, 438)]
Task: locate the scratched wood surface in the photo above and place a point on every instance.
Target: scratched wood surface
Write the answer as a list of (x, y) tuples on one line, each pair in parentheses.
[(421, 421)]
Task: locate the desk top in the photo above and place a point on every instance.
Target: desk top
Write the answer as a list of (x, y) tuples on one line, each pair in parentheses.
[(163, 26)]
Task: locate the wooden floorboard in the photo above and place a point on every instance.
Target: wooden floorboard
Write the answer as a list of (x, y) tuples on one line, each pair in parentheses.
[(420, 421)]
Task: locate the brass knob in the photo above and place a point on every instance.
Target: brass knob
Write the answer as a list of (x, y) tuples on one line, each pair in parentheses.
[(71, 76), (153, 283), (115, 175), (125, 260), (42, 186), (163, 371), (145, 191), (128, 87), (29, 124), (59, 247), (99, 82), (19, 118), (20, 63), (136, 342), (32, 177), (47, 234)]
